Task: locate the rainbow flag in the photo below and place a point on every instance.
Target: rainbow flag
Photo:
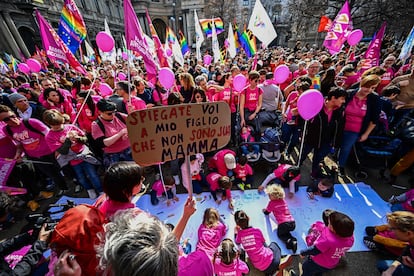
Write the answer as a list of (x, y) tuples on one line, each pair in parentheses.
[(13, 64), (72, 29), (247, 41), (3, 66), (207, 28), (183, 44)]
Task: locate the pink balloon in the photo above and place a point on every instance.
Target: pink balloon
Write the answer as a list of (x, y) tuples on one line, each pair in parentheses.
[(105, 42), (281, 73), (239, 82), (34, 65), (105, 89), (355, 37), (122, 76), (310, 103), (166, 77), (168, 52), (207, 59), (124, 56), (23, 67)]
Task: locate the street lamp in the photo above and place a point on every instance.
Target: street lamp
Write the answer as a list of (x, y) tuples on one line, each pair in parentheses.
[(175, 17)]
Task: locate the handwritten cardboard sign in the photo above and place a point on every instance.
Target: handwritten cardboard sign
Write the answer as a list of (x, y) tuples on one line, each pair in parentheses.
[(166, 133)]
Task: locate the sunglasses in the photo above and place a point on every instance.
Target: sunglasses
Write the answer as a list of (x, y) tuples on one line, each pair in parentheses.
[(110, 113), (8, 119)]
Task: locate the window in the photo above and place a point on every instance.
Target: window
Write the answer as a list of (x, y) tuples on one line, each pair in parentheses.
[(245, 3)]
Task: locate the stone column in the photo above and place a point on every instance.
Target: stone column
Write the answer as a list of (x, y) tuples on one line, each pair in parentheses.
[(8, 37), (16, 35)]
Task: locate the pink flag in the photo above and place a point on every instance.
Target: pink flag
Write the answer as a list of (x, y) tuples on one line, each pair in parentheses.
[(54, 46), (6, 167), (158, 46), (136, 42), (341, 26), (373, 53)]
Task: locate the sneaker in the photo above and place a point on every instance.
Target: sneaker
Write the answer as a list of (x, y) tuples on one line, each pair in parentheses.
[(248, 186), (92, 193), (371, 244), (33, 205), (50, 186), (341, 171), (292, 244), (78, 189), (45, 195), (284, 263), (371, 231), (240, 186), (176, 179), (61, 192), (393, 199)]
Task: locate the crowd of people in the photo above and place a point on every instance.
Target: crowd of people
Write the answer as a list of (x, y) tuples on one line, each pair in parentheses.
[(62, 130)]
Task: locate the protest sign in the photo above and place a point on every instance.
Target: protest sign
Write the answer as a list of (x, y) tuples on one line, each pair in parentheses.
[(166, 133)]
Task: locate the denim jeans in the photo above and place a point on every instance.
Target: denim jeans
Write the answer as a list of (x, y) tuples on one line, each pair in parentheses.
[(349, 139), (401, 270), (274, 265), (290, 136), (86, 171), (112, 158), (318, 155), (310, 268)]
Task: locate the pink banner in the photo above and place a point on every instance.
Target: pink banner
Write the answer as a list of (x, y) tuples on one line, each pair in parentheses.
[(136, 42), (6, 167), (373, 53), (163, 62), (54, 46), (337, 33)]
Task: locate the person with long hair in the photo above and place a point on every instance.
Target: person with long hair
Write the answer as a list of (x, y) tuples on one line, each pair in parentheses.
[(187, 86), (54, 99)]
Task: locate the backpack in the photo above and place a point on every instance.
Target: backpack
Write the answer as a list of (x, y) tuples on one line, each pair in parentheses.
[(27, 125), (270, 139), (102, 127)]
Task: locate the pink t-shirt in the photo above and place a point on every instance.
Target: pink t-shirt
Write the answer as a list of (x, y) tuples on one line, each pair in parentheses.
[(279, 171), (291, 102), (386, 78), (111, 128), (160, 97), (236, 268), (280, 210), (212, 179), (137, 103), (158, 187), (209, 239), (251, 97), (195, 263), (7, 147), (243, 171), (34, 144), (350, 80), (407, 203), (332, 248), (217, 161), (55, 140), (253, 242), (225, 96), (64, 108), (86, 117), (315, 232), (354, 114), (109, 207)]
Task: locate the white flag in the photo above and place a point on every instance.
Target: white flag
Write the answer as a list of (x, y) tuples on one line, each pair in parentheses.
[(111, 56), (408, 45), (231, 48), (175, 46), (215, 43), (199, 35), (260, 24), (89, 50)]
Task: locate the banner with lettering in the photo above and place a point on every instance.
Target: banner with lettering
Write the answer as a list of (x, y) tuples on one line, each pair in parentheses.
[(166, 133), (6, 167), (373, 54)]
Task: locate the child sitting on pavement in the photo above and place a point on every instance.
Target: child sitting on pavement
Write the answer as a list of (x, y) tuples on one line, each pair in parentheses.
[(219, 183), (251, 151), (316, 229), (158, 190), (403, 202), (243, 174)]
